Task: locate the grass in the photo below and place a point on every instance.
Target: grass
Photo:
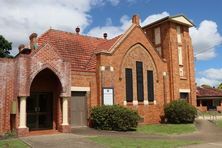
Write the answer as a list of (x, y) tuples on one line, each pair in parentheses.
[(219, 123), (167, 129), (12, 143), (116, 142)]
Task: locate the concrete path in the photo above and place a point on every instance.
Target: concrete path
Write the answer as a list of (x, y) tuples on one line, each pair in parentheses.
[(206, 145), (207, 133), (60, 141)]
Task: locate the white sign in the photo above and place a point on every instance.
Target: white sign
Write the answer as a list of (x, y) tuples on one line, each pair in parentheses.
[(108, 96)]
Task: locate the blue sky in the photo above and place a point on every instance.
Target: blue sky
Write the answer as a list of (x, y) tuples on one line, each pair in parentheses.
[(19, 18)]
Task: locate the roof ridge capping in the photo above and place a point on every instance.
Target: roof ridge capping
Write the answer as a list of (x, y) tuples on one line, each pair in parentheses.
[(71, 33), (179, 18)]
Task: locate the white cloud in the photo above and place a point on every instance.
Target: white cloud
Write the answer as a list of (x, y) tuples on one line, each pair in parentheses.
[(110, 29), (125, 22), (210, 76), (19, 18), (205, 40), (213, 73), (154, 17), (203, 80)]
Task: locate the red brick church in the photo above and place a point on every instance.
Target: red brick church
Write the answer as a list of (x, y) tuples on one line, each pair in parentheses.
[(54, 81)]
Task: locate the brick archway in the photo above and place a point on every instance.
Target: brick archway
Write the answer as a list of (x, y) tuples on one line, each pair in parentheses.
[(142, 51), (46, 67), (43, 105)]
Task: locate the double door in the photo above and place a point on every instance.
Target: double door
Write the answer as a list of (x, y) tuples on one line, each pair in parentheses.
[(40, 111)]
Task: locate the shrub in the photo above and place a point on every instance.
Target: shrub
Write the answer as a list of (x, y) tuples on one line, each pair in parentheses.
[(180, 111), (114, 117)]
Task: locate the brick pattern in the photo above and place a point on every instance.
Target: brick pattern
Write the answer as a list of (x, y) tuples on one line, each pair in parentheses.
[(134, 48), (17, 76), (73, 59), (22, 132), (7, 78), (48, 58), (170, 54)]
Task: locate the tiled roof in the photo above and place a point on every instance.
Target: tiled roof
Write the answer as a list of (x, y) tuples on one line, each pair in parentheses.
[(103, 46), (208, 92), (79, 50)]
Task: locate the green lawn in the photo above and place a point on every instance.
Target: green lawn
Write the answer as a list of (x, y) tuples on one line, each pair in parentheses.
[(12, 143), (115, 142), (219, 123), (167, 129)]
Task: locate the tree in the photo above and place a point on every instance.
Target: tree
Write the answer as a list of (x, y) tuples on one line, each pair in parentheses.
[(5, 47), (220, 86)]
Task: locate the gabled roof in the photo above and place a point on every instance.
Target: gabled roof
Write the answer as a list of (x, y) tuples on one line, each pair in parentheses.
[(78, 49), (118, 40), (81, 50), (208, 92), (181, 19)]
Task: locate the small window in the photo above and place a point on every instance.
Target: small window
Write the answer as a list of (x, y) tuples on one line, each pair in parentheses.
[(129, 84), (179, 34), (139, 76), (180, 55), (184, 96), (198, 102), (157, 36)]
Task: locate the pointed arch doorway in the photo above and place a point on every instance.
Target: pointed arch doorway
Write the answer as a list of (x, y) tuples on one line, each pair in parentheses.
[(42, 105)]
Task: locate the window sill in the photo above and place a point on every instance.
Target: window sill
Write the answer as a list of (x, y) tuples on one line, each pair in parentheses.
[(136, 103), (128, 103), (152, 103), (183, 78)]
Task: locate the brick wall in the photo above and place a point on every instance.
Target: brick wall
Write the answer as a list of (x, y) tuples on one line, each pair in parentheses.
[(18, 74), (169, 46), (7, 89), (136, 47)]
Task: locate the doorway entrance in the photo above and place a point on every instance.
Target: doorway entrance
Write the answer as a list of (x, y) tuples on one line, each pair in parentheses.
[(40, 111), (43, 105), (78, 109)]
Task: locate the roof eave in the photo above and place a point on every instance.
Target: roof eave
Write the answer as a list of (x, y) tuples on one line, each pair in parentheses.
[(170, 18)]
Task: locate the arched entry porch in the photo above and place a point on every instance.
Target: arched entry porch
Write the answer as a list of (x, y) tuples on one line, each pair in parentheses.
[(45, 107), (43, 103)]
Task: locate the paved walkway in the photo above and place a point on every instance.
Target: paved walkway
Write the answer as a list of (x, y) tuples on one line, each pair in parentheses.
[(206, 145), (60, 141), (207, 132)]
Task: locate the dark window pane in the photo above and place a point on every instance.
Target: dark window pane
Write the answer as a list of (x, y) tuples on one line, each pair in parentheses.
[(198, 102), (184, 96), (129, 84), (139, 75), (150, 86), (204, 102)]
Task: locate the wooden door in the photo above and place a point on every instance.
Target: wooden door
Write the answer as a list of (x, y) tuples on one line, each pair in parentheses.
[(78, 109)]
